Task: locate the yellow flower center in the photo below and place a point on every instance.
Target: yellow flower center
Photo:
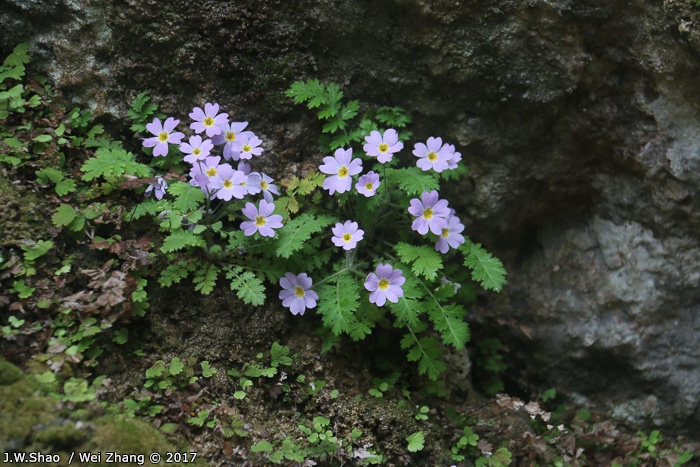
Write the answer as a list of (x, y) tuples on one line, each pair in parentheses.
[(243, 183), (163, 137), (196, 151), (383, 147), (343, 172), (445, 233), (347, 237), (212, 172), (383, 284), (369, 186), (432, 157), (263, 185), (260, 221), (299, 291), (427, 213), (230, 136), (228, 183), (208, 121), (246, 148)]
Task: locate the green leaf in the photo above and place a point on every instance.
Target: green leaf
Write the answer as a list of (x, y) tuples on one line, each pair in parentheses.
[(13, 73), (312, 91), (175, 272), (261, 446), (279, 355), (337, 303), (64, 215), (205, 279), (49, 173), (416, 441), (113, 163), (181, 239), (64, 187), (449, 321), (121, 336), (412, 180), (36, 250), (395, 117), (247, 285), (188, 197), (176, 366), (296, 232), (18, 56), (486, 270), (426, 261), (207, 370), (43, 138), (426, 351)]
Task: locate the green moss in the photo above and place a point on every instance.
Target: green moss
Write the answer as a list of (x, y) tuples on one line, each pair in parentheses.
[(8, 373), (21, 215)]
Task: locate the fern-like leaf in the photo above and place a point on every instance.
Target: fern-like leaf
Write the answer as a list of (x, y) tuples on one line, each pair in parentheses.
[(312, 91), (247, 285), (296, 232), (337, 303), (486, 270), (175, 272), (449, 321), (188, 197), (426, 351), (205, 279), (181, 239), (426, 261), (412, 180), (113, 163)]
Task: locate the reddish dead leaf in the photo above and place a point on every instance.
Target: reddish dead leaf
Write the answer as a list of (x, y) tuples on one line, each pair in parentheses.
[(228, 449)]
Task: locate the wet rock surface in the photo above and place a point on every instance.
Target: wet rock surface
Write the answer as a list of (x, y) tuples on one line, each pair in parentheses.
[(578, 122)]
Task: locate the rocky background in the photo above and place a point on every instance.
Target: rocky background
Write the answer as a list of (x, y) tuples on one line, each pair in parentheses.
[(578, 121)]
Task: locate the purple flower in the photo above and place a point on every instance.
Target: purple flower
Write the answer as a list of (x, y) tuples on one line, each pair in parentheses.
[(450, 236), (158, 187), (385, 284), (368, 183), (229, 183), (433, 155), (261, 220), (229, 136), (454, 159), (163, 135), (296, 293), (249, 145), (430, 213), (383, 146), (209, 167), (196, 149), (342, 167), (265, 184), (347, 235), (208, 120)]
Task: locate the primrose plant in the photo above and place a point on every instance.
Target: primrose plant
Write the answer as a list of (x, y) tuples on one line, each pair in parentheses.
[(364, 241)]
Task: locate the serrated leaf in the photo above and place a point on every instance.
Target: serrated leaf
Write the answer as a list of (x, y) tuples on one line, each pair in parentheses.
[(14, 73), (426, 352), (449, 321), (187, 197), (247, 286), (64, 215), (18, 56), (181, 239), (296, 232), (64, 187), (113, 162), (205, 279), (486, 270), (426, 261), (312, 91), (337, 303), (412, 180)]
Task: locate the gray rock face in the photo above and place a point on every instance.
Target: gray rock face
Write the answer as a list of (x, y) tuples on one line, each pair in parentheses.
[(579, 124)]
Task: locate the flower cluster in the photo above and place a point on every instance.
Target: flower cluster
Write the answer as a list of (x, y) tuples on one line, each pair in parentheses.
[(431, 213), (217, 179)]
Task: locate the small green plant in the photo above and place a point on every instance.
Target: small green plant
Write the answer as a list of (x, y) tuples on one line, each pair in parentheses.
[(160, 377), (491, 362), (416, 441), (381, 257)]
